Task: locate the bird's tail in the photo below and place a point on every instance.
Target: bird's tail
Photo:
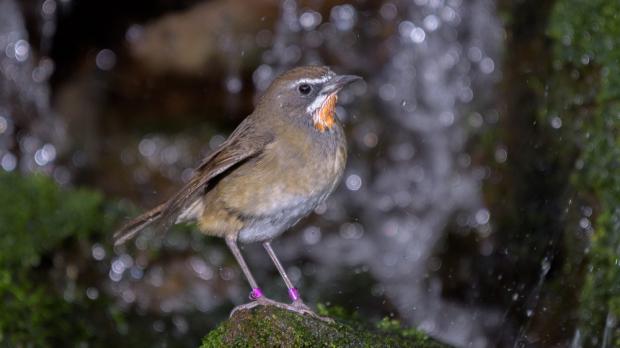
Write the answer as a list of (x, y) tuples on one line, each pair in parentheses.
[(133, 227)]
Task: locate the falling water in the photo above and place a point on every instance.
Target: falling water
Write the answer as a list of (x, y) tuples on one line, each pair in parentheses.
[(29, 133)]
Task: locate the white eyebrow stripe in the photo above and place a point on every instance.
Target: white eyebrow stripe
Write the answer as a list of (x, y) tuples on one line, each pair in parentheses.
[(322, 79)]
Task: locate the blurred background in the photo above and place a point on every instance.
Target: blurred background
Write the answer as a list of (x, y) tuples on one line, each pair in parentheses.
[(479, 203)]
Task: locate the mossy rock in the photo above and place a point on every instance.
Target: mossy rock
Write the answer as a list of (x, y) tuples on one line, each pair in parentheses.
[(269, 326)]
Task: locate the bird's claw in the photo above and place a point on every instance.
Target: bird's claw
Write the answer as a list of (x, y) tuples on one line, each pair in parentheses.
[(297, 306), (300, 307)]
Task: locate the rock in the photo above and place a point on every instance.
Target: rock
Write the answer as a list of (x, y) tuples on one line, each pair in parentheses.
[(206, 36), (268, 326)]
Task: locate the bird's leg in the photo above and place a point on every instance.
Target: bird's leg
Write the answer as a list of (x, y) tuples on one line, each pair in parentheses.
[(256, 295), (298, 305), (256, 291), (292, 290)]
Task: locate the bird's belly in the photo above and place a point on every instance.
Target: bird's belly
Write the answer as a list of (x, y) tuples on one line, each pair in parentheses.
[(265, 228), (281, 204)]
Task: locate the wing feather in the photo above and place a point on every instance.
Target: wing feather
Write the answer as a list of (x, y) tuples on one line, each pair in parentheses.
[(244, 143)]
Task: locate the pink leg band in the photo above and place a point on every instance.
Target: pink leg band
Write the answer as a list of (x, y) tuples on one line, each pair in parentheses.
[(256, 294), (293, 294)]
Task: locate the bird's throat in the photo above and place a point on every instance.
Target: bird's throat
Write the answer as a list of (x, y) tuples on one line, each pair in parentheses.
[(324, 117)]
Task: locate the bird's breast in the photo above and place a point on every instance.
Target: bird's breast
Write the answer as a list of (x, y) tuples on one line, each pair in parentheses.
[(293, 174)]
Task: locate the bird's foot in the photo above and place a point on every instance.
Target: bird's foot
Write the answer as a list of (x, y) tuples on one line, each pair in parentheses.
[(261, 301), (297, 306), (300, 307)]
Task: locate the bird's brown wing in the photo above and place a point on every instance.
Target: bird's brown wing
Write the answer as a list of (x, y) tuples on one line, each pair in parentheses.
[(244, 143)]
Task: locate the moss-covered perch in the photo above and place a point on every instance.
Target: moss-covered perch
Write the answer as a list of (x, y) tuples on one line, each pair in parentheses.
[(274, 327)]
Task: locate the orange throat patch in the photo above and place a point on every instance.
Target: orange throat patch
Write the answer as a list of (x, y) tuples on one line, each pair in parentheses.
[(324, 117)]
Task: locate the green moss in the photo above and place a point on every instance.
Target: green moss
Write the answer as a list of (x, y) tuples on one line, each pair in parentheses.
[(273, 327), (29, 315), (586, 38), (36, 219), (36, 216)]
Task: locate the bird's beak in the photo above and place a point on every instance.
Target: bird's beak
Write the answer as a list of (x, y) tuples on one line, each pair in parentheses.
[(335, 84)]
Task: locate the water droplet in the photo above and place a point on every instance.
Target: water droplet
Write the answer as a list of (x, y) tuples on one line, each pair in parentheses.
[(487, 65), (118, 266), (501, 154), (556, 122), (201, 268), (22, 50), (405, 28), (344, 17), (312, 235), (388, 11), (9, 162), (134, 33), (353, 182), (147, 147), (105, 59), (45, 155), (482, 216), (476, 120), (446, 118), (309, 20), (92, 293), (474, 54), (48, 8), (584, 223), (418, 35), (234, 84), (431, 22), (262, 76), (98, 252), (585, 59)]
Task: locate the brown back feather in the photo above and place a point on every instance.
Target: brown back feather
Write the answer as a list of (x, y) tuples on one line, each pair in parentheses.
[(244, 143)]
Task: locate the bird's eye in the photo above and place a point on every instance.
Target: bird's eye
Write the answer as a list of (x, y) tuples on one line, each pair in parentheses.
[(304, 88)]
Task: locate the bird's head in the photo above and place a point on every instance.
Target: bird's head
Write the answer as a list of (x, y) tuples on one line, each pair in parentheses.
[(308, 94)]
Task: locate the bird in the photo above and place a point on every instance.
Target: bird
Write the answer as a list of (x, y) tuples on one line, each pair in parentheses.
[(276, 167)]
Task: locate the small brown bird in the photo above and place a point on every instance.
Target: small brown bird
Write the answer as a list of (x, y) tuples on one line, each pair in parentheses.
[(280, 163)]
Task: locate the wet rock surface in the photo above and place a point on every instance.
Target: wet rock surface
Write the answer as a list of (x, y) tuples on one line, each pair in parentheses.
[(268, 326)]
